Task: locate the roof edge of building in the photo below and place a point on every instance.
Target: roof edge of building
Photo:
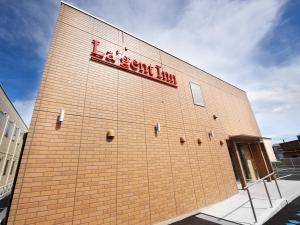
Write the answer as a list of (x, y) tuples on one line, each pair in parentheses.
[(97, 18), (2, 88)]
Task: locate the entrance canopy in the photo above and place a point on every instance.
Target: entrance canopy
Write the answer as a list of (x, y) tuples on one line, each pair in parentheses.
[(249, 157), (243, 138)]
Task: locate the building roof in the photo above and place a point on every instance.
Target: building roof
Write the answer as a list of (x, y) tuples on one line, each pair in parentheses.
[(290, 142), (246, 138), (18, 114)]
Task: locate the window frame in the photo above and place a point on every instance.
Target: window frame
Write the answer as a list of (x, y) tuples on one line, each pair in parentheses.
[(8, 128), (15, 133), (192, 87), (1, 115), (20, 139)]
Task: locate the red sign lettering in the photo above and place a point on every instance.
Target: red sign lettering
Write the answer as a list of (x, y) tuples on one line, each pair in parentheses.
[(132, 65)]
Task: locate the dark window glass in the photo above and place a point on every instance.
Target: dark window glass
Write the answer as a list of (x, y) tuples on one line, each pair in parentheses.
[(8, 127), (12, 168), (5, 168), (16, 132), (1, 115)]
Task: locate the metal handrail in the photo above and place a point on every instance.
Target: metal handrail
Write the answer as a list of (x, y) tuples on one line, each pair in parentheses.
[(266, 188), (258, 181), (287, 167)]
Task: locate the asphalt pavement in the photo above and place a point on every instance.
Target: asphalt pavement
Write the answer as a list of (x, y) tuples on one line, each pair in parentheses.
[(291, 177), (289, 215), (193, 221)]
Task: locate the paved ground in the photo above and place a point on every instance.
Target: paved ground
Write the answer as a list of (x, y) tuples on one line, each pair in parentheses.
[(237, 208), (290, 214), (194, 221), (292, 177), (4, 201)]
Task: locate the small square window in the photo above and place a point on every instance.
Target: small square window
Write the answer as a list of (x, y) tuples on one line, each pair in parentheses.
[(197, 94)]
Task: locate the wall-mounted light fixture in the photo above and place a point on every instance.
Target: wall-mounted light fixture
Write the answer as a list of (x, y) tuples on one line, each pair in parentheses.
[(61, 116), (211, 134), (157, 127), (182, 140), (199, 141), (215, 117), (110, 134)]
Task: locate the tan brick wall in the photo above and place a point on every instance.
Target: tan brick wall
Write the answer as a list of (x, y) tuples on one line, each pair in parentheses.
[(73, 175)]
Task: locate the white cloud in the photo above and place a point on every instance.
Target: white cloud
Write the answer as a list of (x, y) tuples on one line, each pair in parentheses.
[(223, 37), (32, 23), (220, 36), (25, 108)]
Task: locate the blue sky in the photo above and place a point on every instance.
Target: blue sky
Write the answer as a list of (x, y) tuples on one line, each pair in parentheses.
[(254, 45)]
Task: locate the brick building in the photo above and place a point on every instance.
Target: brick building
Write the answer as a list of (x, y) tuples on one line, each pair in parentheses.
[(125, 133), (291, 149)]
